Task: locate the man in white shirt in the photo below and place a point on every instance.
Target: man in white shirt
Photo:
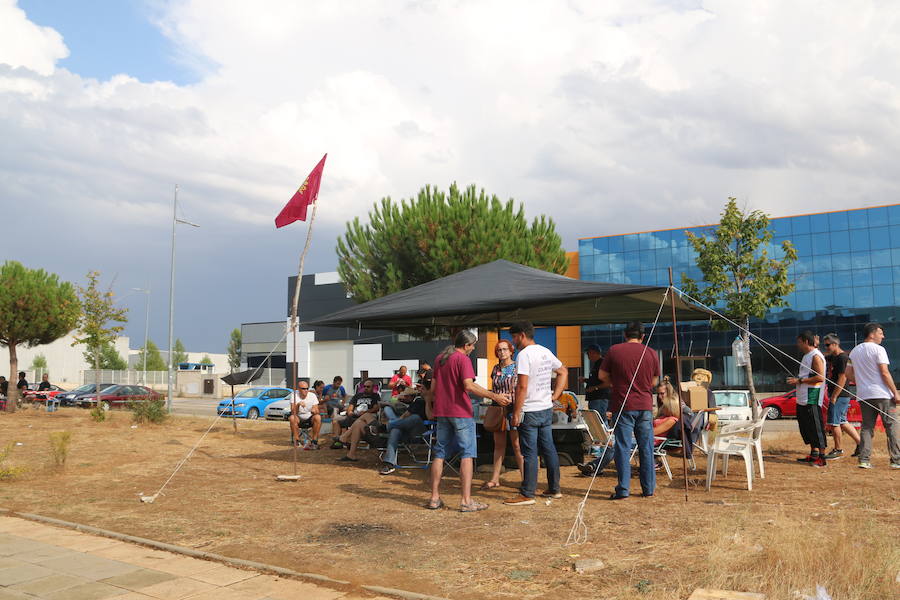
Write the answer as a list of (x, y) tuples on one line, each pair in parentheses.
[(305, 414), (876, 393), (533, 412)]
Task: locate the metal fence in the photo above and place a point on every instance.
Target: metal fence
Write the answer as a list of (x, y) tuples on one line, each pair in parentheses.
[(128, 377)]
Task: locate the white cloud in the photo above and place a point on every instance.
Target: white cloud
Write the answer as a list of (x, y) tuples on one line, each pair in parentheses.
[(24, 44)]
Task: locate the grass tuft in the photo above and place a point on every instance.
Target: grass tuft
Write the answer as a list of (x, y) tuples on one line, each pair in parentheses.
[(59, 447), (153, 411)]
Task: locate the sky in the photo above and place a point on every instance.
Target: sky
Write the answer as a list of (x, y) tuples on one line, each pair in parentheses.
[(578, 110)]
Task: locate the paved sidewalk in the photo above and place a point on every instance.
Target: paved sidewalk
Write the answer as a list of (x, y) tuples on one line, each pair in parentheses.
[(42, 561)]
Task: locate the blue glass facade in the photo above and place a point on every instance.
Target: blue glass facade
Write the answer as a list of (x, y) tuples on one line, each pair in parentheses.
[(847, 274)]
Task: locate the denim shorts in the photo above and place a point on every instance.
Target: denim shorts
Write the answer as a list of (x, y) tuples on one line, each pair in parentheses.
[(837, 410), (460, 430)]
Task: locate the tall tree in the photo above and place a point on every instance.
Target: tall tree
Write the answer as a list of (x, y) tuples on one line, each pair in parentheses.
[(178, 353), (740, 278), (35, 308), (97, 326), (38, 363), (155, 360), (109, 358), (234, 350), (438, 234)]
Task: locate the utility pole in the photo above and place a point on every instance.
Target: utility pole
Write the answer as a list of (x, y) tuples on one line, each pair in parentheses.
[(175, 221)]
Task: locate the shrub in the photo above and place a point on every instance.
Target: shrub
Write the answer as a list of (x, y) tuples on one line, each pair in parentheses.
[(8, 471), (59, 447), (153, 411), (98, 414)]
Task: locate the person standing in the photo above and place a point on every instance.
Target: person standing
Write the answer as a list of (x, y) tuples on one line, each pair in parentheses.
[(533, 412), (838, 396), (632, 370), (448, 401), (503, 381), (595, 391), (875, 389), (22, 385), (810, 384)]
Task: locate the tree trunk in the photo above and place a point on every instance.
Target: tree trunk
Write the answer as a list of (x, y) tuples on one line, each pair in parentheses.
[(97, 378), (12, 394), (748, 368)]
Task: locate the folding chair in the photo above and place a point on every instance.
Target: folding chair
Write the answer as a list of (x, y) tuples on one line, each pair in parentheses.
[(658, 452)]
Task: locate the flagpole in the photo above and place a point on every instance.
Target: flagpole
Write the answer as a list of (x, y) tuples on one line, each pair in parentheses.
[(294, 323)]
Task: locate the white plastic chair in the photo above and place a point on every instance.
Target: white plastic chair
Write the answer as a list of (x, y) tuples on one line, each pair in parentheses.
[(732, 440), (756, 441)]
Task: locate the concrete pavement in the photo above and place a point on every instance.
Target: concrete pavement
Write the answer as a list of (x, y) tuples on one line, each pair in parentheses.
[(54, 563)]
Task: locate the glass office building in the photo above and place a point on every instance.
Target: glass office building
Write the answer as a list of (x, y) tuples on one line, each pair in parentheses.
[(847, 274)]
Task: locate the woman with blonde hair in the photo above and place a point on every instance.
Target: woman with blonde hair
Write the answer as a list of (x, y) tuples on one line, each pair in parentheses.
[(503, 381)]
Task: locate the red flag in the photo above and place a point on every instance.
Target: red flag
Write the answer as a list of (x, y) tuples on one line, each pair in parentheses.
[(306, 194)]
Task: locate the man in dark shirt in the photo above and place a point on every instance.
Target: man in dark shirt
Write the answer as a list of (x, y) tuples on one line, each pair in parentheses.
[(595, 391), (22, 385), (45, 383), (406, 426), (632, 370), (838, 396), (4, 386), (363, 410)]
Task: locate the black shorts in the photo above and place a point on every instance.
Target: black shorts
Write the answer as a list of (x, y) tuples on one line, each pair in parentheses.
[(812, 427)]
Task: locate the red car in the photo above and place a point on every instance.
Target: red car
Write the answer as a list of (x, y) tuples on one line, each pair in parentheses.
[(118, 396), (785, 405), (33, 395)]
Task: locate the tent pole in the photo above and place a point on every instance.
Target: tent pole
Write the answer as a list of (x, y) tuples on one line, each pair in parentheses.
[(233, 418), (684, 440)]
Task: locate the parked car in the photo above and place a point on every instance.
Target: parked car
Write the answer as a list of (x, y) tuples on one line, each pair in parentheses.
[(785, 405), (734, 404), (252, 403), (279, 410), (33, 395), (118, 396), (68, 398)]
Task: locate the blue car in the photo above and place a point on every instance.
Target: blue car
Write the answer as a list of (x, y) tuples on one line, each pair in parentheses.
[(252, 403)]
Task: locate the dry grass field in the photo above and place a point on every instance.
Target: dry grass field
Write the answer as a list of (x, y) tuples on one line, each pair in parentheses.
[(838, 526)]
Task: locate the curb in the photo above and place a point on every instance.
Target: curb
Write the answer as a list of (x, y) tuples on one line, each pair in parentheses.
[(247, 564)]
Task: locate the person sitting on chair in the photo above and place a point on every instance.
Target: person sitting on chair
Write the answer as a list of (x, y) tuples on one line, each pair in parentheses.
[(362, 411), (404, 427), (359, 404), (305, 415)]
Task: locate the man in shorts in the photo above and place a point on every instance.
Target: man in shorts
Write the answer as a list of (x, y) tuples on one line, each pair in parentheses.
[(305, 415), (334, 396), (839, 398), (810, 382)]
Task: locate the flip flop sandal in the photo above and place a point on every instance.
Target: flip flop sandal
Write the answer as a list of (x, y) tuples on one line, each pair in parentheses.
[(434, 505), (472, 507)]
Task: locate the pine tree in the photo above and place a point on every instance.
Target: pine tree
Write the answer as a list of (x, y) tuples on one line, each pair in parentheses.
[(178, 353), (155, 360), (234, 350), (437, 234)]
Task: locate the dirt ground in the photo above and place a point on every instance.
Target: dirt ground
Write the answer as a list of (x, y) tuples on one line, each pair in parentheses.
[(801, 526)]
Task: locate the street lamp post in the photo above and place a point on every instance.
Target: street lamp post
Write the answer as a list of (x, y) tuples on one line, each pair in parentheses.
[(175, 221), (146, 330)]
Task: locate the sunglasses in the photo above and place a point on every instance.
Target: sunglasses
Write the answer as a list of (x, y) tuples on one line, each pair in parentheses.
[(303, 388)]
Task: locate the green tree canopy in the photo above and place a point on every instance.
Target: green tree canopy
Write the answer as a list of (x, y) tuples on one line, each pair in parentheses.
[(437, 234), (35, 308), (740, 278), (155, 360), (234, 350), (178, 354), (109, 358), (206, 360), (39, 362)]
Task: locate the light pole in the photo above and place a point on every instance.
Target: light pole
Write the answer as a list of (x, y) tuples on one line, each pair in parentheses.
[(146, 329), (175, 221)]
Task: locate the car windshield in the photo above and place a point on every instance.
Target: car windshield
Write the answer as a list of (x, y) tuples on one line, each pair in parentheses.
[(731, 398), (251, 393)]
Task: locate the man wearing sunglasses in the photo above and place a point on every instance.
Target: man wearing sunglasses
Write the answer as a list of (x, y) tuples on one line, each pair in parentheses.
[(839, 398), (305, 415)]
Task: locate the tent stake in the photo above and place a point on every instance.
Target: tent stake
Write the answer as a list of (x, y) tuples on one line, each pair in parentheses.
[(684, 442)]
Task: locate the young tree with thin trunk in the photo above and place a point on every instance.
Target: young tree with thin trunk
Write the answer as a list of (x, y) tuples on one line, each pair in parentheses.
[(740, 279), (35, 308), (96, 327), (155, 360), (178, 353), (234, 350)]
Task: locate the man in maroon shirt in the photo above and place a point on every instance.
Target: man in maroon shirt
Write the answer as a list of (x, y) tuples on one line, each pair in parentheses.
[(632, 370), (447, 400)]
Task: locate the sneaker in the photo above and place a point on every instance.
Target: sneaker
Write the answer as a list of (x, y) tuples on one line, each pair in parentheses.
[(518, 501), (587, 469), (819, 462), (809, 458), (855, 452), (864, 464), (386, 469), (336, 445), (549, 494), (834, 455)]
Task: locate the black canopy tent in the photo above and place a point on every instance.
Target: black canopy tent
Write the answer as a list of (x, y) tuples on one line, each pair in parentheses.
[(502, 292)]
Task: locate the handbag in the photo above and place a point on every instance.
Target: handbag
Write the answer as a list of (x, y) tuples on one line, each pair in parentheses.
[(495, 418)]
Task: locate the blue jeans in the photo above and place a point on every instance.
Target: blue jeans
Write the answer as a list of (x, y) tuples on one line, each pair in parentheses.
[(636, 424), (402, 429), (536, 437), (601, 405), (455, 432)]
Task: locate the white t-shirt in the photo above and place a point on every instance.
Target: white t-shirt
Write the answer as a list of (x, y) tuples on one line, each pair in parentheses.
[(865, 359), (538, 363), (305, 405), (807, 392)]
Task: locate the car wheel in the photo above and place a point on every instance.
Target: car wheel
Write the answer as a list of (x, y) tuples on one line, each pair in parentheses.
[(773, 412), (253, 414)]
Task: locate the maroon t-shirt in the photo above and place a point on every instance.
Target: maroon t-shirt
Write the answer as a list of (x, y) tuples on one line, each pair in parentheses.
[(450, 396), (621, 362)]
